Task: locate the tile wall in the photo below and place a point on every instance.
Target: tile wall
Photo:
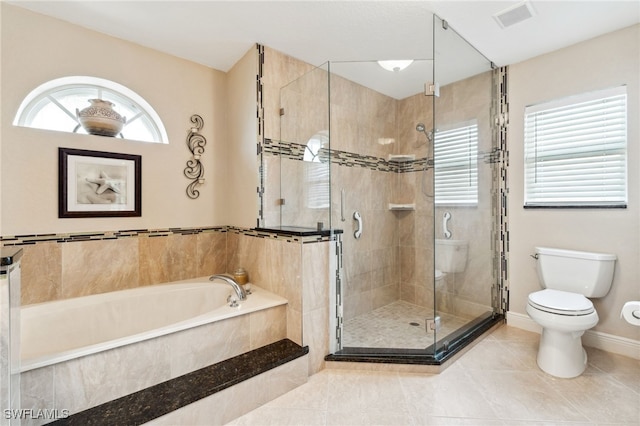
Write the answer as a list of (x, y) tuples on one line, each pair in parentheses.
[(468, 294), (394, 258), (57, 267)]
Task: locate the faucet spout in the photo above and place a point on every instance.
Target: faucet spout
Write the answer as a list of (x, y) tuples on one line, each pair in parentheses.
[(242, 295)]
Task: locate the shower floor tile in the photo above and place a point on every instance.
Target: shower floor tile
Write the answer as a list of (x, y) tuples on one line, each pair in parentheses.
[(397, 325)]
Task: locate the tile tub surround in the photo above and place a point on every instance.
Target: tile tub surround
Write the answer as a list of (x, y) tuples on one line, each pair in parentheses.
[(92, 380), (61, 266), (270, 361), (287, 265)]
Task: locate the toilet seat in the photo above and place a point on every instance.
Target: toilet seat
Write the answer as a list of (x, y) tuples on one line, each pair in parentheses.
[(561, 302)]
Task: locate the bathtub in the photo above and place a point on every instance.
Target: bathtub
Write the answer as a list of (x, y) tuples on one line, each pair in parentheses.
[(55, 332)]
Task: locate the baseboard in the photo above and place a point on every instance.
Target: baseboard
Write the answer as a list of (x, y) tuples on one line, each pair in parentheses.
[(594, 339)]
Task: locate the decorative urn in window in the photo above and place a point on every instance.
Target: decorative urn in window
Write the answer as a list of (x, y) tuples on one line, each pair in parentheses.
[(100, 119)]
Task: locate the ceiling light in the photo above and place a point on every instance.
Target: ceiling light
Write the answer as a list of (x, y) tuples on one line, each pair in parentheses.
[(395, 65), (514, 14)]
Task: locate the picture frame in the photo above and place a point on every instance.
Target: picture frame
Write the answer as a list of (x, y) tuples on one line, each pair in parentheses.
[(98, 184)]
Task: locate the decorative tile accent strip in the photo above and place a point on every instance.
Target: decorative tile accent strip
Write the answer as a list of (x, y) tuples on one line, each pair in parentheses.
[(295, 151), (20, 240)]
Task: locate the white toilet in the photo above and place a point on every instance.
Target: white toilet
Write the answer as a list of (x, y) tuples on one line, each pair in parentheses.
[(563, 310), (451, 256)]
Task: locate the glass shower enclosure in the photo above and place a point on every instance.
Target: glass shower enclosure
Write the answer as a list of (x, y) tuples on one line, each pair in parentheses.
[(400, 167)]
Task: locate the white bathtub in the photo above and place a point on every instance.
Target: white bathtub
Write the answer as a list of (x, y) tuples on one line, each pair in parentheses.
[(54, 332)]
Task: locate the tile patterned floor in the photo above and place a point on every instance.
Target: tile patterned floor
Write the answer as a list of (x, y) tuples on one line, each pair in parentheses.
[(390, 327), (497, 382)]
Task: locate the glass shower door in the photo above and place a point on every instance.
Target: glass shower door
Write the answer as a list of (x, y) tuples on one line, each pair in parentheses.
[(416, 173), (382, 198), (299, 199), (465, 175)]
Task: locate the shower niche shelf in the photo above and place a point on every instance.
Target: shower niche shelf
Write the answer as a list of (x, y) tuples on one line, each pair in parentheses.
[(401, 158), (394, 206)]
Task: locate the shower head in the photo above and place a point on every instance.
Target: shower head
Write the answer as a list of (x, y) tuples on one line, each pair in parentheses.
[(422, 129)]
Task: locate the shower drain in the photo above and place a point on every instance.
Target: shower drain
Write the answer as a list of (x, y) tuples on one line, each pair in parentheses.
[(415, 324)]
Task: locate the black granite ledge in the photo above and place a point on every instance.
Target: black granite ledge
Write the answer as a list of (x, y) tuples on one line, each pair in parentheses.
[(435, 355), (299, 231), (9, 255), (163, 398)]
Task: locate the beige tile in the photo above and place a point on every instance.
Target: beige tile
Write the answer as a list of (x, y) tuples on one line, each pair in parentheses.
[(88, 381), (623, 369), (211, 253), (315, 275), (449, 395), (41, 270), (267, 416), (369, 417), (315, 334), (360, 391), (90, 267), (165, 259), (313, 395), (249, 253), (199, 347), (600, 399), (37, 392), (496, 356), (268, 326), (525, 395), (282, 271), (294, 325)]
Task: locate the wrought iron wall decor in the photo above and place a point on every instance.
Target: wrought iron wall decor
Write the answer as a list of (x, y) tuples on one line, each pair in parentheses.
[(194, 169)]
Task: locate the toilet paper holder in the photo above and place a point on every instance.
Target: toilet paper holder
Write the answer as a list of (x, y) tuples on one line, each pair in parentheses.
[(631, 312)]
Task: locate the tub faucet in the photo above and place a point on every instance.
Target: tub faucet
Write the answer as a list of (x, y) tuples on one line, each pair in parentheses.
[(242, 295)]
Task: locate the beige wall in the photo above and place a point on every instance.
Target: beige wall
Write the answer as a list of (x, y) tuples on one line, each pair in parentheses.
[(36, 49), (241, 179), (607, 61)]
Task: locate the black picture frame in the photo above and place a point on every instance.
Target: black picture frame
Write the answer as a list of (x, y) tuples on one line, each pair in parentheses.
[(98, 184)]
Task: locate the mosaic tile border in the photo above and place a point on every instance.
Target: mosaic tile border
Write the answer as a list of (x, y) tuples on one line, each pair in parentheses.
[(31, 239), (295, 151)]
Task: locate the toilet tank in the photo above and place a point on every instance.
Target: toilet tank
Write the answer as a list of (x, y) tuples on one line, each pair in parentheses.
[(589, 274), (451, 255)]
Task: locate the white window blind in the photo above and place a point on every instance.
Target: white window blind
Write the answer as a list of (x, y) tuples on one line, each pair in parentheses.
[(456, 165), (317, 185), (575, 151)]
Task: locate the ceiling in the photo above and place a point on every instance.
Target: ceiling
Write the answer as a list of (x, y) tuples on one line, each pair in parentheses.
[(219, 33)]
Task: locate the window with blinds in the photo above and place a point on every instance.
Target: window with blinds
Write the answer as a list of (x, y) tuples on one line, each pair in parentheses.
[(576, 151), (456, 165)]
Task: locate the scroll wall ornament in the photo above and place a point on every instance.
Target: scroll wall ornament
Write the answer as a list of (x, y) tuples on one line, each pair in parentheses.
[(194, 169)]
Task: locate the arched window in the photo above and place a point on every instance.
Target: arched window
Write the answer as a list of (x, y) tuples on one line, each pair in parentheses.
[(53, 105)]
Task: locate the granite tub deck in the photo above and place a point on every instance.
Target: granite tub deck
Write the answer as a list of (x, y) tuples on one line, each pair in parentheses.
[(281, 365)]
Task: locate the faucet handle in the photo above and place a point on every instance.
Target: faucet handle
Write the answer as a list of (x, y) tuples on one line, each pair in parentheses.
[(232, 300)]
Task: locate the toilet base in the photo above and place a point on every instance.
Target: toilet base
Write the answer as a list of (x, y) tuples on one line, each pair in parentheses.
[(561, 353)]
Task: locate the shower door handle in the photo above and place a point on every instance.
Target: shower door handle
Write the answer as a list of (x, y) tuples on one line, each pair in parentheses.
[(445, 222), (358, 218)]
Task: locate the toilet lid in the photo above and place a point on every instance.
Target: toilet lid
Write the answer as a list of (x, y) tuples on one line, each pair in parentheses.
[(561, 302)]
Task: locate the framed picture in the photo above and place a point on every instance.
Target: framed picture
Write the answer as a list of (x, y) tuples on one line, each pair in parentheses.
[(98, 184)]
